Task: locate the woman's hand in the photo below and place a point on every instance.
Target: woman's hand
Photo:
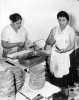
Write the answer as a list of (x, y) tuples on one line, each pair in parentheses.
[(20, 44), (59, 50)]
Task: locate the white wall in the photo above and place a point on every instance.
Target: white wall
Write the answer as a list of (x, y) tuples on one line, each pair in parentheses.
[(39, 15)]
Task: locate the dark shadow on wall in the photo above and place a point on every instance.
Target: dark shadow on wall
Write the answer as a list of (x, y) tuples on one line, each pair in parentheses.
[(72, 20), (73, 23)]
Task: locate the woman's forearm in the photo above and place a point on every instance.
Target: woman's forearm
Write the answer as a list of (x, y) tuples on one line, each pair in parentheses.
[(8, 45)]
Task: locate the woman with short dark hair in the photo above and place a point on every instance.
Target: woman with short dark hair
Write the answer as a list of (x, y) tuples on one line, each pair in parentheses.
[(15, 17), (62, 42), (63, 14), (14, 37)]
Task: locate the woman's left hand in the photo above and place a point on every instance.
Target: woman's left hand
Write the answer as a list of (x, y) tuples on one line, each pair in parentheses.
[(60, 51), (20, 44)]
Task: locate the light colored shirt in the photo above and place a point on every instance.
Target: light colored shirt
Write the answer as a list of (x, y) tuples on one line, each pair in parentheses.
[(10, 35), (64, 38)]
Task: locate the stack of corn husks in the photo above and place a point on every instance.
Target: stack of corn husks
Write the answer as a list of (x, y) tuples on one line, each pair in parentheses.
[(7, 87), (11, 80), (19, 77)]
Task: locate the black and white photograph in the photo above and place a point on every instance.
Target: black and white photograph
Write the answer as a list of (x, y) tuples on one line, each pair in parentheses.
[(39, 49)]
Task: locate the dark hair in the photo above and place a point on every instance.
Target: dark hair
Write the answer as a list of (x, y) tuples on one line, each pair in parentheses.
[(15, 17), (63, 14)]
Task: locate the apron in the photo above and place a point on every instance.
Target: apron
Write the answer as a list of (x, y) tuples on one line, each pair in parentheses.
[(60, 62)]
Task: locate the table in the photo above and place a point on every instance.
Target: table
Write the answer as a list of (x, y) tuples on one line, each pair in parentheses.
[(34, 58), (31, 60)]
